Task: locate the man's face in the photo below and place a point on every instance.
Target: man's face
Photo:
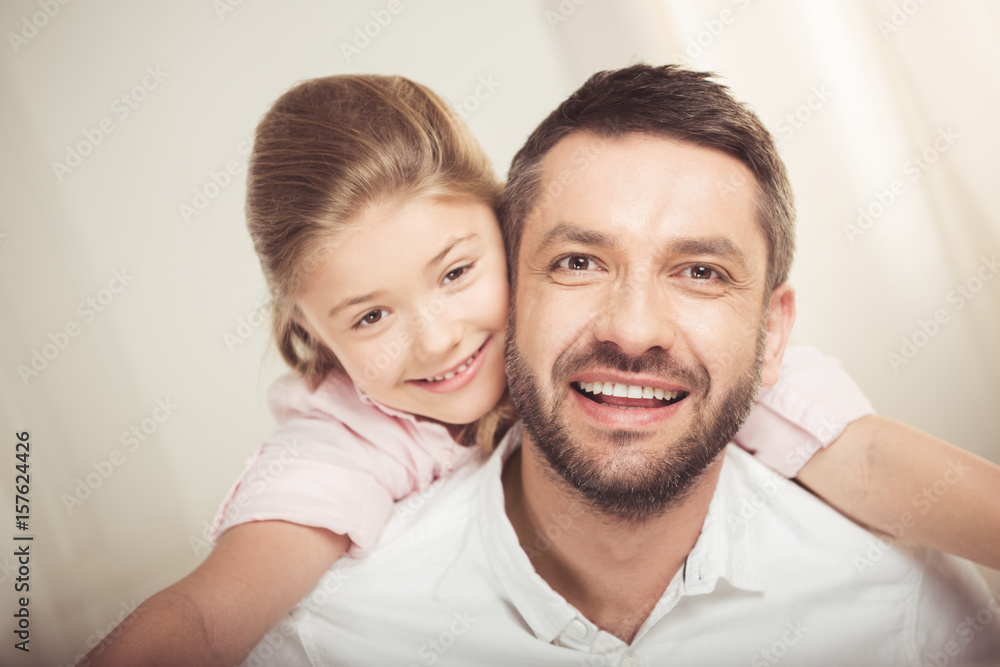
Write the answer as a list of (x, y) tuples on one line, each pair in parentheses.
[(639, 332)]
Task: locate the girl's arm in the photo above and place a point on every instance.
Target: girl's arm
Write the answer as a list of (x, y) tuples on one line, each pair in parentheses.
[(896, 479), (219, 612), (816, 425)]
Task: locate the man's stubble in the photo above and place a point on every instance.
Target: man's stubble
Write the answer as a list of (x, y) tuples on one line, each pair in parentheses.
[(630, 487)]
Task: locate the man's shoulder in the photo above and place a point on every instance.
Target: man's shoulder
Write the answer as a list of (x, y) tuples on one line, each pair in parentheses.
[(785, 521), (829, 571), (446, 507)]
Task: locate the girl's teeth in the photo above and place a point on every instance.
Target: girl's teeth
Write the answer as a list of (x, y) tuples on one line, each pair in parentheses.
[(448, 376), (626, 390)]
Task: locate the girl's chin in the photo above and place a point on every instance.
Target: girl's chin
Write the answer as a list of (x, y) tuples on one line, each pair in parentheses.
[(455, 420)]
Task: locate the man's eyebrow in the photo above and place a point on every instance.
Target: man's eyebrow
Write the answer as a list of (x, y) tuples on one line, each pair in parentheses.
[(352, 301), (713, 245), (448, 248), (564, 232)]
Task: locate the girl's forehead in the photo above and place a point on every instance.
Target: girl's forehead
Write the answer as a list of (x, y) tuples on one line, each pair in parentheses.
[(406, 237)]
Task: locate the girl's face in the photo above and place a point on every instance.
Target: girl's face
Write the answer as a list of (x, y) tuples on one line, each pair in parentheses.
[(412, 299)]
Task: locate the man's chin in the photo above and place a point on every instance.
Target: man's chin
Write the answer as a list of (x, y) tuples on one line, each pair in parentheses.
[(635, 473), (629, 476)]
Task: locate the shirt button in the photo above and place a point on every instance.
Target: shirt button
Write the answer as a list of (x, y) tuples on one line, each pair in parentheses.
[(630, 661), (576, 629)]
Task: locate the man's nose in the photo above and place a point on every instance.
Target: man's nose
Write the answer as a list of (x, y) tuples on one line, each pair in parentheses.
[(635, 314)]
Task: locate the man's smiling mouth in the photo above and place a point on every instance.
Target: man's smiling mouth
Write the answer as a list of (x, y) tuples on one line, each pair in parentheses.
[(628, 397)]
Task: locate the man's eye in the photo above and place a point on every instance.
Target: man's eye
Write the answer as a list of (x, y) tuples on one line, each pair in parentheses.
[(702, 272), (371, 317), (577, 263)]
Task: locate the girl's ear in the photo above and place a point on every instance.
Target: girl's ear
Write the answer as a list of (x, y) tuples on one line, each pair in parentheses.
[(780, 318), (299, 321)]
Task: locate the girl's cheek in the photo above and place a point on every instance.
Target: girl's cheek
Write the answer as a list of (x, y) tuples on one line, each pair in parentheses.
[(497, 300), (366, 366)]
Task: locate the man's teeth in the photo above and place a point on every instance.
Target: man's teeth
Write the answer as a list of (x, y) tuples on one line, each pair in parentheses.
[(448, 376), (626, 390)]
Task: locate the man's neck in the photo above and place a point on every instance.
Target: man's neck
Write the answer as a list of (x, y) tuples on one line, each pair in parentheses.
[(614, 572)]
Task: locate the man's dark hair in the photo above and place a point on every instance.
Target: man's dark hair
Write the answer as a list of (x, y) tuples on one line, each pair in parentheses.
[(669, 102)]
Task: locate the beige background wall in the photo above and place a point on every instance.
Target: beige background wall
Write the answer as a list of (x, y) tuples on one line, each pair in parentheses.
[(172, 344)]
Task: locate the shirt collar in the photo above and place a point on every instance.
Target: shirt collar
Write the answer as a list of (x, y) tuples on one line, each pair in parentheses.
[(392, 412), (724, 550), (544, 610)]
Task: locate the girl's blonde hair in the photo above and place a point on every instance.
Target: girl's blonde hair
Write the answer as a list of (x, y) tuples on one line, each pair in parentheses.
[(328, 150)]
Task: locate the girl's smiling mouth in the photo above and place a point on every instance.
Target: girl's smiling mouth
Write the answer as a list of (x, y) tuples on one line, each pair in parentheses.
[(457, 376)]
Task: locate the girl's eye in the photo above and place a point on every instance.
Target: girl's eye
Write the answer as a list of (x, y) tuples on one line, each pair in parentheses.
[(577, 263), (702, 272), (370, 318), (455, 274)]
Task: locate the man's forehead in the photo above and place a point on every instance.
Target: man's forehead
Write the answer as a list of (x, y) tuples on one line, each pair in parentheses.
[(582, 151), (642, 177)]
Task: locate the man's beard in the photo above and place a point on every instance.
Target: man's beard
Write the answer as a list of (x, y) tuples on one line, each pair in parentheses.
[(628, 490)]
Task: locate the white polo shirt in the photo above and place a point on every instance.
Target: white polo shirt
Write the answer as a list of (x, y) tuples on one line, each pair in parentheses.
[(776, 576)]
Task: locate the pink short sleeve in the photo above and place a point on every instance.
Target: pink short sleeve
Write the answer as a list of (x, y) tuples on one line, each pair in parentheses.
[(810, 406), (305, 475), (338, 461)]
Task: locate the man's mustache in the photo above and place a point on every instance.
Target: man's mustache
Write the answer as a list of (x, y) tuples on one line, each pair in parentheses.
[(656, 361)]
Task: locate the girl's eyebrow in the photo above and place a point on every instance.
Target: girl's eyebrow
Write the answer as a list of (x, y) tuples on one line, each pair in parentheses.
[(444, 253), (355, 300), (352, 301)]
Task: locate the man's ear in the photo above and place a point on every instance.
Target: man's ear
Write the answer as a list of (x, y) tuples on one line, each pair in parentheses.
[(780, 318)]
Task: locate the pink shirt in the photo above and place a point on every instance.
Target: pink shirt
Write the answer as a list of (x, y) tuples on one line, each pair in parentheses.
[(812, 403), (340, 460)]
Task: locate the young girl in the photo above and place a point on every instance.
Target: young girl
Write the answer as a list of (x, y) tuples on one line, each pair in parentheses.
[(372, 211)]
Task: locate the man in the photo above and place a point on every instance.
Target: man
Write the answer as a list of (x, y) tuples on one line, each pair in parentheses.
[(649, 229)]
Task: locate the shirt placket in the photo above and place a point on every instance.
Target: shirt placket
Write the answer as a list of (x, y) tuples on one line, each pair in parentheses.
[(602, 649)]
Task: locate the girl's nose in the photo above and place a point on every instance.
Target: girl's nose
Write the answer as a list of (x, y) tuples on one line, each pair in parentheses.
[(436, 337)]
